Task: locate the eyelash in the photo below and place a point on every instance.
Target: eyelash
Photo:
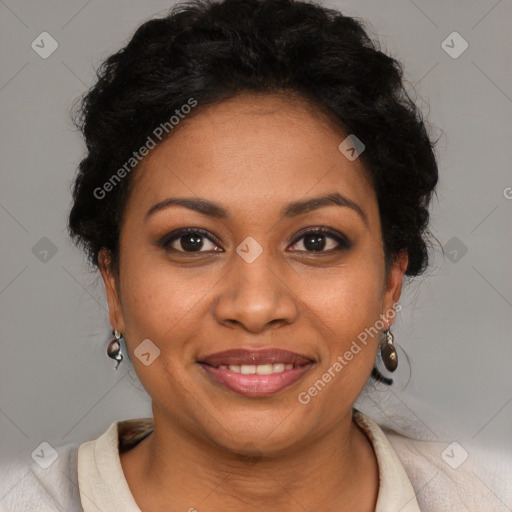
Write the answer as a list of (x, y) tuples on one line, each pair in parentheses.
[(342, 240)]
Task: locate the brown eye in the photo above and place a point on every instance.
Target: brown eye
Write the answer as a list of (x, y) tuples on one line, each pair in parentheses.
[(317, 240), (190, 240)]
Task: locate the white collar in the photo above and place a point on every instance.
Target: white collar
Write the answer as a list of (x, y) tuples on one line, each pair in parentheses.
[(103, 485)]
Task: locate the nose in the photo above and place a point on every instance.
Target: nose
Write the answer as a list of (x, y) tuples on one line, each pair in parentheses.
[(255, 295)]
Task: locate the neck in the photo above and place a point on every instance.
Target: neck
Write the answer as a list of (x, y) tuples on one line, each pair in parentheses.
[(336, 471)]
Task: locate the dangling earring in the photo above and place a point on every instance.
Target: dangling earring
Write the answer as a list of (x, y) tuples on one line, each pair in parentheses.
[(388, 351), (114, 348)]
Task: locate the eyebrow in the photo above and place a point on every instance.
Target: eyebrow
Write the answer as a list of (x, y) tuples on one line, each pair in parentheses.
[(294, 209)]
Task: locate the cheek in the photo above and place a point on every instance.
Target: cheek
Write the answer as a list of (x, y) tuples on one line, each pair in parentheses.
[(348, 300), (346, 306), (158, 299), (346, 313)]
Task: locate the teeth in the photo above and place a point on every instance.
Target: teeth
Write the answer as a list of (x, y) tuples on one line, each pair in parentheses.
[(260, 369), (247, 369), (264, 369)]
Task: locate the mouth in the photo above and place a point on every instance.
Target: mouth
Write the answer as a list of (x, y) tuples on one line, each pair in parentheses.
[(256, 373)]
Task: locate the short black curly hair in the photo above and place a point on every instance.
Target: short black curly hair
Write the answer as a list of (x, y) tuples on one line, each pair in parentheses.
[(211, 51)]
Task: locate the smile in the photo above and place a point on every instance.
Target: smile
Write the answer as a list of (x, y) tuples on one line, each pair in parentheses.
[(271, 371), (256, 384), (260, 369)]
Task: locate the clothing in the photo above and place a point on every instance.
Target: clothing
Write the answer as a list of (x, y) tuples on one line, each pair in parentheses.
[(89, 477), (102, 481)]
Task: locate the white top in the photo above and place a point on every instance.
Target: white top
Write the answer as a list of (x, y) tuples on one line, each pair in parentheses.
[(102, 482), (413, 475)]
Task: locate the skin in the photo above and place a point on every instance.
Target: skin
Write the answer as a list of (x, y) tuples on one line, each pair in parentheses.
[(253, 155)]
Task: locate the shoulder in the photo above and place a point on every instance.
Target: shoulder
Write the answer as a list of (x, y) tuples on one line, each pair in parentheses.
[(46, 483), (451, 475)]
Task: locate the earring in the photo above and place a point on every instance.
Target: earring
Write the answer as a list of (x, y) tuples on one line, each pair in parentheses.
[(114, 348), (388, 351)]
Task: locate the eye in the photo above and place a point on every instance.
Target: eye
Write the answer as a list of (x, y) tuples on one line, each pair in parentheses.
[(315, 240), (190, 240), (196, 240)]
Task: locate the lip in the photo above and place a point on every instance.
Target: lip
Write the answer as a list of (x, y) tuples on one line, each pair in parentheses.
[(256, 357), (255, 385)]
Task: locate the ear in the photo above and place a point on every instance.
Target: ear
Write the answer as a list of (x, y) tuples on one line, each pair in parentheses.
[(394, 285), (109, 280)]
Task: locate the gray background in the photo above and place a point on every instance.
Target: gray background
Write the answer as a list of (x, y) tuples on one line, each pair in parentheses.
[(57, 385)]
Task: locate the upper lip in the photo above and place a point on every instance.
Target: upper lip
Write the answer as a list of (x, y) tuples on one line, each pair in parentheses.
[(255, 357)]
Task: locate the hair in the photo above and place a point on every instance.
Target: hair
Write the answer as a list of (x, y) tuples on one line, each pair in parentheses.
[(211, 52)]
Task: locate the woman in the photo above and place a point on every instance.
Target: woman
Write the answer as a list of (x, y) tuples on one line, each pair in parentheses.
[(256, 189)]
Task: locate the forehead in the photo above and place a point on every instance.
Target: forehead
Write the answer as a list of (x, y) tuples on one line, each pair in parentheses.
[(249, 149)]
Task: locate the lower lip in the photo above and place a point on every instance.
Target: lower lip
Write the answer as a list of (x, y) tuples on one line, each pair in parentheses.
[(256, 385)]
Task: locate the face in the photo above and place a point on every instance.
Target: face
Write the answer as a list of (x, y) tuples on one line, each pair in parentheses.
[(255, 274)]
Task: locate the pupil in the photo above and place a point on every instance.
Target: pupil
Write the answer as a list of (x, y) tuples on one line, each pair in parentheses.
[(191, 242), (314, 242)]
